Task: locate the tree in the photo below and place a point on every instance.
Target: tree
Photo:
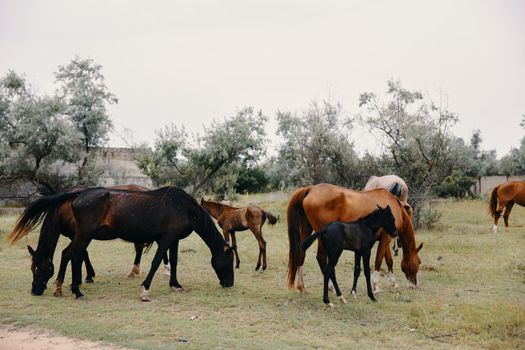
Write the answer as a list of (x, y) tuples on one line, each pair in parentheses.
[(209, 163), (34, 135), (416, 134), (316, 146), (514, 162), (83, 89)]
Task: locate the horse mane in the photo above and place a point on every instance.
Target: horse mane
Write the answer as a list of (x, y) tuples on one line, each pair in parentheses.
[(201, 220), (220, 204)]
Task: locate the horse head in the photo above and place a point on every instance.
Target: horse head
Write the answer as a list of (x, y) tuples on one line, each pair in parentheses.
[(410, 265), (388, 220), (222, 263), (42, 268)]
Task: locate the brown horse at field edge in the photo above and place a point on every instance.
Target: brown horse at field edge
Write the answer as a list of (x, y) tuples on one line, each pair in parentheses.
[(504, 196), (312, 208), (232, 219)]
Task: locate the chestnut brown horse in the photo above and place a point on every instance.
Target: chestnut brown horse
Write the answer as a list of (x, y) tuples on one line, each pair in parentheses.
[(504, 196), (311, 208), (232, 219), (165, 216)]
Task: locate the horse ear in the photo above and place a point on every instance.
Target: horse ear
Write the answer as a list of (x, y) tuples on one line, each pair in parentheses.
[(420, 246), (378, 207), (31, 250), (202, 200)]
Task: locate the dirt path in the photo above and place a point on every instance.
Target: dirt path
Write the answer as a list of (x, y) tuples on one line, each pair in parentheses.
[(12, 338)]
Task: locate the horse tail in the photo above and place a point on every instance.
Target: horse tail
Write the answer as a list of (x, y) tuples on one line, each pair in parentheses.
[(271, 218), (395, 189), (297, 225), (493, 203), (35, 212), (308, 241)]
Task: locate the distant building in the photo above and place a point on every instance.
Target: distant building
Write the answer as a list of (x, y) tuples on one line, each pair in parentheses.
[(486, 183), (117, 165)]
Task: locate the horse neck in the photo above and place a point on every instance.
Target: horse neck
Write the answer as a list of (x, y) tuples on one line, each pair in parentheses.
[(207, 230), (215, 209), (48, 239), (407, 236)]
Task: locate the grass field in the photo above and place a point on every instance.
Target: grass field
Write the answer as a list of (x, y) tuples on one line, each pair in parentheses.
[(472, 294)]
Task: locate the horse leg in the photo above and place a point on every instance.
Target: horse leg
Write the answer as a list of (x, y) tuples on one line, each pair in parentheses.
[(390, 264), (366, 263), (381, 252), (327, 273), (337, 290), (262, 248), (508, 209), (357, 272), (174, 250), (90, 271), (299, 282), (135, 269), (64, 260), (497, 214), (167, 268), (165, 242), (322, 260), (234, 246), (77, 251)]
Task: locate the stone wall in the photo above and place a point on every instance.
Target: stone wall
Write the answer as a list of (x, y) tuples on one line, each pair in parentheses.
[(487, 183), (117, 165)]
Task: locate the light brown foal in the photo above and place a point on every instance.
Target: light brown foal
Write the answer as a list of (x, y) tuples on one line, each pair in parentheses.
[(232, 219)]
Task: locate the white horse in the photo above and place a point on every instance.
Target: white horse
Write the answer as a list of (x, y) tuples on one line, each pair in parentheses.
[(390, 182)]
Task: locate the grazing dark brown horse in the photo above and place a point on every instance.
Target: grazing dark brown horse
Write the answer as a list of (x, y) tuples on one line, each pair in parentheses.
[(358, 236), (232, 219), (311, 208), (504, 196), (66, 222), (166, 216)]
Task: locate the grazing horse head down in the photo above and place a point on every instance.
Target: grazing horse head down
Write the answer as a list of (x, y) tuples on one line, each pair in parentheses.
[(312, 208), (43, 269), (165, 215)]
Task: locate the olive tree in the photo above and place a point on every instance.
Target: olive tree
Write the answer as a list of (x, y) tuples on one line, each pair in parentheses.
[(315, 146), (207, 163)]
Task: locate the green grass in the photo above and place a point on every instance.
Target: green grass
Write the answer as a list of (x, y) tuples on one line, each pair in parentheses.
[(472, 294)]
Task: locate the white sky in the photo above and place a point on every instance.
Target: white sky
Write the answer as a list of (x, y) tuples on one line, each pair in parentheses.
[(188, 62)]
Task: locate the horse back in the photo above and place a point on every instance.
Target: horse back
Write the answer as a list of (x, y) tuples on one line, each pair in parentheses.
[(326, 203), (512, 191)]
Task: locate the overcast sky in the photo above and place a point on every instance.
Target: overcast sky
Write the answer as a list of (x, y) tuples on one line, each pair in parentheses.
[(189, 62)]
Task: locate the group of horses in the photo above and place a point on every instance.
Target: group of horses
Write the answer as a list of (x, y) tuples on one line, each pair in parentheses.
[(167, 215)]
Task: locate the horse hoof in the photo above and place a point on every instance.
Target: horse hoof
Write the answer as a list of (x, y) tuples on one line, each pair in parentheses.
[(377, 290), (177, 289), (237, 265), (264, 268), (257, 267), (57, 293), (354, 295), (329, 305), (89, 280), (145, 298), (79, 297), (166, 273), (342, 299)]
